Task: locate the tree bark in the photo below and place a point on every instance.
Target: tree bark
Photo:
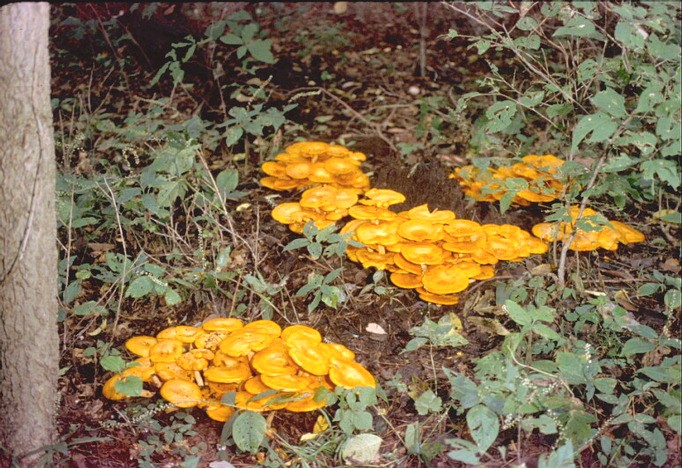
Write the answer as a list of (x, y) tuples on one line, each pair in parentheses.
[(29, 340)]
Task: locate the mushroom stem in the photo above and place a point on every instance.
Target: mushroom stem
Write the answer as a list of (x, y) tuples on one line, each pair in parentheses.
[(197, 377)]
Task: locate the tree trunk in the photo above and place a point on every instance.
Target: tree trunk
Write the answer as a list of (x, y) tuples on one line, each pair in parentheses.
[(29, 341)]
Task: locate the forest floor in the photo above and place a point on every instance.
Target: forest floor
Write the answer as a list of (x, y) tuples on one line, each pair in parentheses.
[(355, 77)]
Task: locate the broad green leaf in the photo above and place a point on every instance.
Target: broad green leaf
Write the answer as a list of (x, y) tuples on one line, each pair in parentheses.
[(528, 42), (500, 115), (362, 449), (227, 180), (484, 426), (140, 287), (610, 102), (665, 169), (672, 299), (559, 458), (669, 374), (112, 363), (637, 346), (172, 297), (662, 50), (260, 50), (629, 34), (600, 125), (462, 389), (89, 308), (517, 313), (248, 431), (231, 39), (571, 367), (546, 332), (578, 26), (579, 427), (130, 386), (526, 23), (428, 402), (619, 163), (232, 135)]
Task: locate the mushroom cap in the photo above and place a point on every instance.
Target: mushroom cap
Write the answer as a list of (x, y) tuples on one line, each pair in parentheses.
[(195, 360), (424, 253), (484, 258), (463, 228), (406, 265), (305, 405), (183, 333), (422, 212), (318, 196), (143, 368), (628, 234), (273, 360), (286, 383), (349, 374), (275, 183), (548, 231), (171, 371), (267, 327), (312, 359), (440, 299), (608, 238), (406, 280), (487, 272), (210, 340), (166, 351), (420, 230), (223, 324), (219, 412), (445, 279), (274, 169), (308, 148), (339, 166), (109, 389), (236, 373), (382, 198), (584, 241), (339, 351), (297, 335), (534, 197), (181, 393), (255, 385), (357, 179), (371, 213), (140, 345), (298, 170), (320, 175), (380, 261), (381, 233), (287, 213), (536, 246), (242, 342), (547, 162)]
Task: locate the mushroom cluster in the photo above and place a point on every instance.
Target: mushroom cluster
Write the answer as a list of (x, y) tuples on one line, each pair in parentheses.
[(605, 236), (309, 163), (432, 252), (538, 172), (264, 366)]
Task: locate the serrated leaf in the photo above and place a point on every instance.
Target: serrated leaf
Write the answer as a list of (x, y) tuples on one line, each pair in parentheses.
[(227, 180), (578, 26), (517, 313), (559, 458), (361, 449), (248, 431), (484, 426)]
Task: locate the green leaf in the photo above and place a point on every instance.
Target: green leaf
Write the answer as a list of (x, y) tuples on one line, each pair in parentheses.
[(571, 367), (462, 389), (172, 297), (89, 308), (662, 50), (500, 115), (662, 374), (610, 102), (112, 363), (629, 35), (526, 23), (650, 96), (140, 287), (675, 421), (546, 332), (637, 346), (428, 402), (248, 431), (665, 169), (517, 313), (414, 344), (232, 135), (578, 26), (260, 50), (362, 449), (484, 426), (231, 39), (227, 180), (129, 386), (600, 125), (579, 427), (672, 299), (559, 458)]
